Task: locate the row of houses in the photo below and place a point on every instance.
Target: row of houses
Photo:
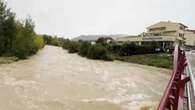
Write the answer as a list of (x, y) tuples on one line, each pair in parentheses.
[(165, 33)]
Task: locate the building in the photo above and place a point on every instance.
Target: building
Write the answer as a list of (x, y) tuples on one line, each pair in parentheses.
[(165, 33), (189, 37)]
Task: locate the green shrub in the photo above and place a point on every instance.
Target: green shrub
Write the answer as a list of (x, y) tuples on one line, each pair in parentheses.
[(83, 48), (158, 60), (98, 51), (65, 44), (127, 49), (114, 48), (53, 40), (39, 42), (73, 47)]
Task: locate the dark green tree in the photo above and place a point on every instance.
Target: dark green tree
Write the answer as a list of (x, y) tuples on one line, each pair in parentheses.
[(83, 49), (24, 45), (7, 29)]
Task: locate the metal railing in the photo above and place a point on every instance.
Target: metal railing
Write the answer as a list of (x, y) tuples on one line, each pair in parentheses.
[(173, 97), (190, 88), (191, 75)]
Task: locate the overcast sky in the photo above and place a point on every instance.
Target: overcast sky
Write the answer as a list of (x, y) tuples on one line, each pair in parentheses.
[(70, 18)]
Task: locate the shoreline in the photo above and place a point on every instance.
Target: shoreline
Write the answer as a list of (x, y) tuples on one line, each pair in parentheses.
[(8, 60)]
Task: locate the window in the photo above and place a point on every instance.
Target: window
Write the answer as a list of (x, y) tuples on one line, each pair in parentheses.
[(157, 29), (181, 35)]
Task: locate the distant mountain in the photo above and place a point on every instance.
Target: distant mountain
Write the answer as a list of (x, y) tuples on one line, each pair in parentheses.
[(95, 37)]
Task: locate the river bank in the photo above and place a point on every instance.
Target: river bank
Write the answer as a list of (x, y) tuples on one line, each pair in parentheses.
[(7, 60), (160, 60)]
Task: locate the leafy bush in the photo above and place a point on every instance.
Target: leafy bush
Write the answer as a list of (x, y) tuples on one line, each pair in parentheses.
[(98, 51), (158, 60), (114, 48), (83, 48), (127, 49), (73, 47), (66, 44), (39, 42), (53, 40)]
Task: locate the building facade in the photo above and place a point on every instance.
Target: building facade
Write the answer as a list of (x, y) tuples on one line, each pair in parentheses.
[(165, 33), (189, 37)]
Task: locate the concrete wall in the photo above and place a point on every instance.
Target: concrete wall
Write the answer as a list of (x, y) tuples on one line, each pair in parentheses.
[(189, 38), (169, 26)]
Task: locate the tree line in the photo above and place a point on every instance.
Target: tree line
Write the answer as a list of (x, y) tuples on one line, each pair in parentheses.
[(105, 51), (53, 40), (17, 38)]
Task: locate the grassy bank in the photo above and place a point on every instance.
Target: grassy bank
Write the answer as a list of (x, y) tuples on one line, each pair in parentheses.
[(158, 60)]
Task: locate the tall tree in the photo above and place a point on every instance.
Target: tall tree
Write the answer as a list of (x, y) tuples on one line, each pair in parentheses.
[(7, 28), (23, 45)]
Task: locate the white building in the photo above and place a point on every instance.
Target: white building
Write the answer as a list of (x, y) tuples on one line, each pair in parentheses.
[(165, 33)]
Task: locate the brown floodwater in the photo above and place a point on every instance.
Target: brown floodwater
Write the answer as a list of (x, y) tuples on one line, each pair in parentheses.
[(56, 80)]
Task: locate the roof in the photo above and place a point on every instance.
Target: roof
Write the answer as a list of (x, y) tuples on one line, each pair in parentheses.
[(190, 30), (183, 25), (159, 24)]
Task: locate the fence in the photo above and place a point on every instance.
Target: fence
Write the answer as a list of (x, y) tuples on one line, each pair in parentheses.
[(173, 97)]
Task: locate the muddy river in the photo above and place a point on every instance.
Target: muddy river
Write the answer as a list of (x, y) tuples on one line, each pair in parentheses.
[(56, 80)]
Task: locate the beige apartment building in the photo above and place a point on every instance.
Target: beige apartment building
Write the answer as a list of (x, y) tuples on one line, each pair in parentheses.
[(165, 33)]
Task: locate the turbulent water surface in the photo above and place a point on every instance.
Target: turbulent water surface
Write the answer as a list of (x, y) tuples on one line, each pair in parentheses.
[(56, 80)]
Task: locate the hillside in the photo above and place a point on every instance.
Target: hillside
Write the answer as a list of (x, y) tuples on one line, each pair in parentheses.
[(95, 37)]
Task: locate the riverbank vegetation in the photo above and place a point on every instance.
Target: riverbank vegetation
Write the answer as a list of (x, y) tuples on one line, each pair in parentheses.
[(85, 49), (17, 38), (162, 60), (53, 40), (128, 52)]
